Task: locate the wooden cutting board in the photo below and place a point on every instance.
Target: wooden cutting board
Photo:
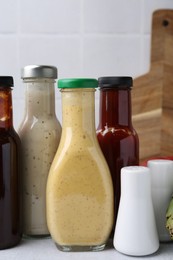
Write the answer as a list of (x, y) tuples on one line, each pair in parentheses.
[(152, 94)]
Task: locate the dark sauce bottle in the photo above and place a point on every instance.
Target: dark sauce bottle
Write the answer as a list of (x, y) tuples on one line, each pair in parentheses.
[(10, 212), (116, 135)]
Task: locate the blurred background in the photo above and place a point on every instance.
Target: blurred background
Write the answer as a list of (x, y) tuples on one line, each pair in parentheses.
[(82, 38)]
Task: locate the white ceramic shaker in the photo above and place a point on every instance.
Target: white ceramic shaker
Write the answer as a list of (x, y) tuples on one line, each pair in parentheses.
[(135, 231), (162, 188)]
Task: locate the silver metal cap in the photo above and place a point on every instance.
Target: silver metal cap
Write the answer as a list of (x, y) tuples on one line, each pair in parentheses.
[(39, 71)]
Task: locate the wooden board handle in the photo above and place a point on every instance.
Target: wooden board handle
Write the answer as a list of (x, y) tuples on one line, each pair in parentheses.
[(162, 40)]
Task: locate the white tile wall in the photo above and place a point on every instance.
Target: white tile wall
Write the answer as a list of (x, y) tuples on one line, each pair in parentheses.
[(83, 38), (145, 64), (60, 51), (112, 16), (8, 17), (112, 55), (18, 111), (9, 56), (55, 16)]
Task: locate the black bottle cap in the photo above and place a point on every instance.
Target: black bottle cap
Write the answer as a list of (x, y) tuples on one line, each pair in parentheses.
[(6, 81), (115, 82)]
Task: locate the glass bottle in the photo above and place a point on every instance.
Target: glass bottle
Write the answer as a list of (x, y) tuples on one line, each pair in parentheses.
[(79, 187), (116, 135), (10, 196), (40, 135)]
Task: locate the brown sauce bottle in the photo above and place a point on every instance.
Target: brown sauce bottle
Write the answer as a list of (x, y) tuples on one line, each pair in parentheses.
[(116, 135), (10, 221)]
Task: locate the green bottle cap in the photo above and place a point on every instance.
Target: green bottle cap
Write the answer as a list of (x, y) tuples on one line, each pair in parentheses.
[(77, 83)]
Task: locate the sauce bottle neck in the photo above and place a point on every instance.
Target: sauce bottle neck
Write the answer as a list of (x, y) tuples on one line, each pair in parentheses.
[(78, 108), (6, 112), (115, 108), (39, 97)]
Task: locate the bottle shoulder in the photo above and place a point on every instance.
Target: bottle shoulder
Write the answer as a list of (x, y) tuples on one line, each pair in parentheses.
[(42, 124), (80, 148), (78, 163)]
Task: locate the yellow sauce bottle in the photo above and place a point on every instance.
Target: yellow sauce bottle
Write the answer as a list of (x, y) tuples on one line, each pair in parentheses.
[(79, 188)]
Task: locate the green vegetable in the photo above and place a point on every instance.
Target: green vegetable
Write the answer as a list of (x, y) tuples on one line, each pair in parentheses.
[(169, 217)]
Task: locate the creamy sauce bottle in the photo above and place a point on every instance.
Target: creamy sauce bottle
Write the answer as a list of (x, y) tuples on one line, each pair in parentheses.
[(79, 188), (40, 135)]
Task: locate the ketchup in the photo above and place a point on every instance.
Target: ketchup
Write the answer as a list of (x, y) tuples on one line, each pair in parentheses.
[(10, 222), (116, 135)]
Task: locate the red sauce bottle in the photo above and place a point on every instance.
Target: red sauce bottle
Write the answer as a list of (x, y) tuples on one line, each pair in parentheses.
[(116, 135), (10, 222)]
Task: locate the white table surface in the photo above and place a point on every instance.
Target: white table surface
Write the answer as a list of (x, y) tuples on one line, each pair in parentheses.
[(44, 249)]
